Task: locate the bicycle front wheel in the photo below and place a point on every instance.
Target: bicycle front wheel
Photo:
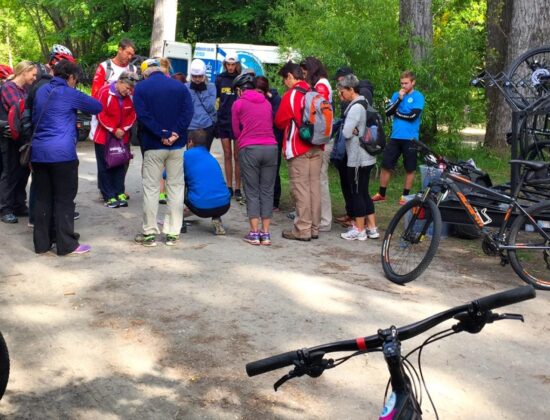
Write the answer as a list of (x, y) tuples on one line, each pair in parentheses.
[(411, 240), (532, 265), (4, 366)]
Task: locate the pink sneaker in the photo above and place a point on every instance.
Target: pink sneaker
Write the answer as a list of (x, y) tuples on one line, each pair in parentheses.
[(82, 249), (378, 197)]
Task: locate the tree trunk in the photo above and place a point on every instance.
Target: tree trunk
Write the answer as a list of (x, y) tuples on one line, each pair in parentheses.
[(164, 25), (524, 26), (415, 21)]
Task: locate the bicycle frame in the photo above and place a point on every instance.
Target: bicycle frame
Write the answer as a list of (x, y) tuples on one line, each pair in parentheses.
[(449, 182)]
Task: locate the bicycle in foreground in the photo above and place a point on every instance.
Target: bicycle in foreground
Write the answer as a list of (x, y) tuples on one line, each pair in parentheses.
[(4, 365), (405, 400), (523, 238)]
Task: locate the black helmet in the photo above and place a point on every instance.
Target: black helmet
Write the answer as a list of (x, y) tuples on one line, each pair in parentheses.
[(242, 80)]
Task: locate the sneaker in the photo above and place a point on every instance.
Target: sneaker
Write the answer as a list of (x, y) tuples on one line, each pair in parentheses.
[(378, 197), (171, 240), (9, 218), (265, 238), (402, 200), (252, 238), (238, 195), (112, 203), (373, 233), (81, 249), (162, 198), (230, 191), (354, 235), (291, 215), (30, 224), (76, 215), (218, 227), (122, 201), (146, 240)]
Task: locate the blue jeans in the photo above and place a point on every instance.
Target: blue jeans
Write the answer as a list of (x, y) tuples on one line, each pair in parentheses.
[(110, 180)]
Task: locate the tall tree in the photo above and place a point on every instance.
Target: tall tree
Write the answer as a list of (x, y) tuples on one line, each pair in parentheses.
[(415, 21), (513, 27), (164, 25)]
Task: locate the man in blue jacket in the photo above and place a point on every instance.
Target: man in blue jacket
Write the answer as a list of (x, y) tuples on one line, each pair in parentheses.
[(164, 109), (206, 193)]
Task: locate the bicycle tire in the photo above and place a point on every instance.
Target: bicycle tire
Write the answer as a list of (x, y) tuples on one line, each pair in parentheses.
[(394, 269), (4, 366), (530, 265), (522, 87)]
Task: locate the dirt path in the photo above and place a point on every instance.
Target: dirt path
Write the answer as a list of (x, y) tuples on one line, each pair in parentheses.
[(133, 332)]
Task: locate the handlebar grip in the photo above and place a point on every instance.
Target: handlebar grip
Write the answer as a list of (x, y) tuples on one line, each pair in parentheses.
[(271, 363), (507, 297)]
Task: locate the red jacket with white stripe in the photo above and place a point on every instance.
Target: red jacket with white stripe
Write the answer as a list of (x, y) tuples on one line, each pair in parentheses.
[(290, 111), (114, 115)]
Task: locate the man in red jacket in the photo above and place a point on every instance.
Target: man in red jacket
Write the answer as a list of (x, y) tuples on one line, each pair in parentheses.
[(304, 160)]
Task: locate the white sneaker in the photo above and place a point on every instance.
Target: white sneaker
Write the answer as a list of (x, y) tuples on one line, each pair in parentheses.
[(373, 233), (354, 235)]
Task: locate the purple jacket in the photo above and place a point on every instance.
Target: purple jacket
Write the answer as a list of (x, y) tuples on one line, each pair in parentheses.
[(252, 120)]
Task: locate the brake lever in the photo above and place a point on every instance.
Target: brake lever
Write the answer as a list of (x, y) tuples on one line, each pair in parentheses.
[(473, 322), (314, 370), (513, 317)]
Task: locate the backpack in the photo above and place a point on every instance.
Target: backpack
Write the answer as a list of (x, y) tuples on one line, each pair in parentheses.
[(12, 117), (373, 139), (316, 126), (109, 70)]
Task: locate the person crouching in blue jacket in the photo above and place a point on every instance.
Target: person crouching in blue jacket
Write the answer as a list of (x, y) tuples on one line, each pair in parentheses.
[(54, 159), (206, 193)]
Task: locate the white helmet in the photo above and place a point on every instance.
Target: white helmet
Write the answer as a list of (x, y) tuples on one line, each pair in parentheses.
[(197, 68), (57, 48)]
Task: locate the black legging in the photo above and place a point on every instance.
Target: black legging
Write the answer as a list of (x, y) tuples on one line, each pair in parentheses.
[(361, 202)]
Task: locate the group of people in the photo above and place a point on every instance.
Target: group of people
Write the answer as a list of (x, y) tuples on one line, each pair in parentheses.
[(257, 128)]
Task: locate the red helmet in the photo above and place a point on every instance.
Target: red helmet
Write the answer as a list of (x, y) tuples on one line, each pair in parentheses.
[(57, 57), (5, 71)]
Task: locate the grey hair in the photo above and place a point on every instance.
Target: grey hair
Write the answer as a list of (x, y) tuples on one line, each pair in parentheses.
[(349, 81), (150, 70)]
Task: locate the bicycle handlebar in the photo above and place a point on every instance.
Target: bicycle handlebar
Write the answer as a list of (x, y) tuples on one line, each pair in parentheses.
[(372, 342)]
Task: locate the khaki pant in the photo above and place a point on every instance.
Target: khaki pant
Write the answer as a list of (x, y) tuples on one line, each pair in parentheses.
[(326, 203), (305, 185), (154, 162)]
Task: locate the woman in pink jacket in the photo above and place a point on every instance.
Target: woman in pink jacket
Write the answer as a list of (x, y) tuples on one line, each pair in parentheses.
[(252, 123)]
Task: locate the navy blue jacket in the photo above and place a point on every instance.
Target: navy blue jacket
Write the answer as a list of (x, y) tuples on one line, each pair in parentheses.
[(54, 117), (206, 187), (162, 103)]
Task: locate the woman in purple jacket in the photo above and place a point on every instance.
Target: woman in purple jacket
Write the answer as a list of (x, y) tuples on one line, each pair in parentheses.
[(252, 123), (54, 159)]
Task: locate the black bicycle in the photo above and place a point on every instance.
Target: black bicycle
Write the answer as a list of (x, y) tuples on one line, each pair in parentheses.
[(4, 365), (405, 400), (522, 239)]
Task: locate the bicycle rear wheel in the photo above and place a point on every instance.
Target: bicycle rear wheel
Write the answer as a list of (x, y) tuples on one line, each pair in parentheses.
[(4, 366), (531, 265), (411, 241)]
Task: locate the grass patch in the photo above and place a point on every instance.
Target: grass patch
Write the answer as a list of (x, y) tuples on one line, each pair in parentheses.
[(494, 163)]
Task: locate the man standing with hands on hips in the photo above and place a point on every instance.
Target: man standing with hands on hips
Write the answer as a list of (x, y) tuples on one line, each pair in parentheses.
[(164, 108), (406, 108)]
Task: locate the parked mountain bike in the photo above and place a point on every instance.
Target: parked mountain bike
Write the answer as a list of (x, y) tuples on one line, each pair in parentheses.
[(405, 400), (4, 366), (523, 238)]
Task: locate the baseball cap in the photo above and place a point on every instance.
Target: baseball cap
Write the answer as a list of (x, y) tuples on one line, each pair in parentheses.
[(198, 68), (231, 57)]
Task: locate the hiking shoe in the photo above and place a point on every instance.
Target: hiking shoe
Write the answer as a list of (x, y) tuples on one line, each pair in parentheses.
[(402, 200), (238, 195), (373, 233), (112, 203), (288, 234), (171, 240), (252, 238), (122, 201), (81, 249), (291, 215), (162, 198), (218, 227), (9, 218), (230, 191), (354, 235), (265, 238), (146, 240), (378, 197)]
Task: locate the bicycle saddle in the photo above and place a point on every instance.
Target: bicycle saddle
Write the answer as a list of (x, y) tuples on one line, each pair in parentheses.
[(531, 164)]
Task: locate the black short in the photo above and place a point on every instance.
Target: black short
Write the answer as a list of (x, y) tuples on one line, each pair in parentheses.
[(225, 133), (396, 148)]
